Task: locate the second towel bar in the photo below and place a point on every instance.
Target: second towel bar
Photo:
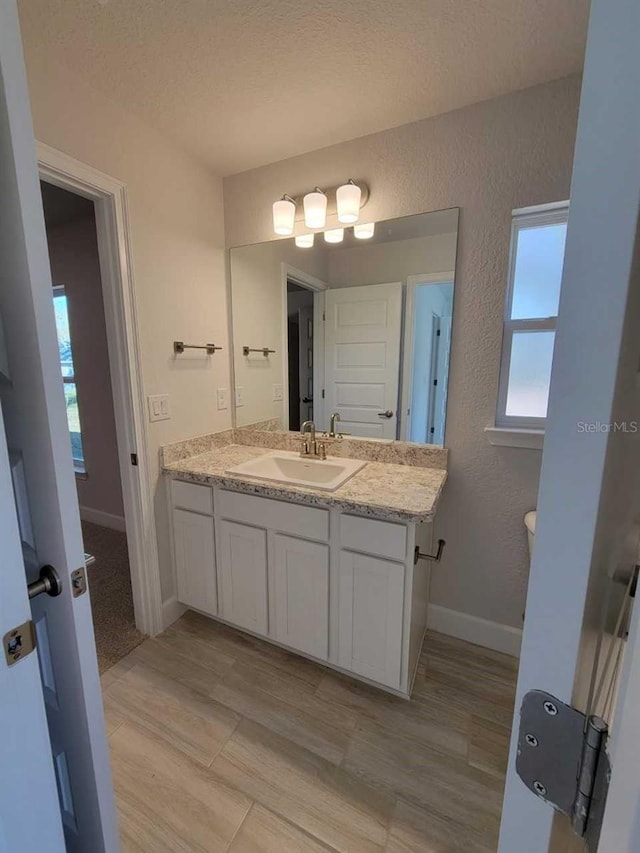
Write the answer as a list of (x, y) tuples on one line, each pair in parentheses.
[(264, 350)]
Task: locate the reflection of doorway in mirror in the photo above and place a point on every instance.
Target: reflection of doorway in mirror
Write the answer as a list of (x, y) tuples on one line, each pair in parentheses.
[(300, 354), (429, 314)]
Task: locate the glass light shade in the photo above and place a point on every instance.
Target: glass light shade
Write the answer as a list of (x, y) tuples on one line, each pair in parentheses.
[(364, 230), (348, 203), (284, 214), (336, 235), (315, 209), (304, 241)]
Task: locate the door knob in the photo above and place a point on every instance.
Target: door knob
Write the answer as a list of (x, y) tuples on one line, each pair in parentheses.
[(387, 414), (49, 582)]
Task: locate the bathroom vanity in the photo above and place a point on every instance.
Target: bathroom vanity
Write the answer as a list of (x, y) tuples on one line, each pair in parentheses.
[(318, 554), (331, 575)]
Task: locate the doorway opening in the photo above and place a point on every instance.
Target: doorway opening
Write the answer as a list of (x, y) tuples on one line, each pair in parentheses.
[(300, 353), (303, 307), (429, 313), (72, 240)]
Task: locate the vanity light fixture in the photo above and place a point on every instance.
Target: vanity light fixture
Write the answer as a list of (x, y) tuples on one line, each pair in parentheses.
[(284, 214), (348, 202), (364, 231), (315, 209), (335, 235), (304, 241)]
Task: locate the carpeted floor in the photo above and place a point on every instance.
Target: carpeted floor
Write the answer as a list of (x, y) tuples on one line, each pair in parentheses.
[(111, 599)]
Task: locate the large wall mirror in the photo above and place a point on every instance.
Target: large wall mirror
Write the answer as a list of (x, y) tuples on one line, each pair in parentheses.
[(361, 328)]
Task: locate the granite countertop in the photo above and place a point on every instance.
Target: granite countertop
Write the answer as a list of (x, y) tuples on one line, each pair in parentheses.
[(380, 489)]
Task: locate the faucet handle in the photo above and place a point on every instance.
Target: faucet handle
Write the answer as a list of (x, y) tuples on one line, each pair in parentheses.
[(322, 450)]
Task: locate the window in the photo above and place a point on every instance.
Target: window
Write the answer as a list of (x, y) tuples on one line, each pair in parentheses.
[(68, 375), (535, 273)]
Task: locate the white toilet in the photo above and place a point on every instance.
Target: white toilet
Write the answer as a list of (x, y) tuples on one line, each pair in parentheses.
[(530, 524)]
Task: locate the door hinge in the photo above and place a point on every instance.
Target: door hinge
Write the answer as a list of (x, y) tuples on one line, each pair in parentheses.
[(438, 333), (323, 393), (324, 317), (435, 381), (562, 759), (19, 642), (134, 458)]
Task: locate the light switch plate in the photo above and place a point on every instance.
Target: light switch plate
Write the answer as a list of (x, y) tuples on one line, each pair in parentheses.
[(278, 392), (223, 399), (158, 407), (239, 396)]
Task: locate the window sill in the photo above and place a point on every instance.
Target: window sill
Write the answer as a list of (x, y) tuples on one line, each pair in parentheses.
[(529, 439)]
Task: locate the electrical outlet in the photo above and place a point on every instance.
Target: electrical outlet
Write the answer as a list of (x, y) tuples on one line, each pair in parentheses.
[(239, 396), (223, 399), (158, 407), (278, 392)]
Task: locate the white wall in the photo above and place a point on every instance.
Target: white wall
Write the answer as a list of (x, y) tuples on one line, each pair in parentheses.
[(73, 254), (381, 263), (486, 159), (176, 218)]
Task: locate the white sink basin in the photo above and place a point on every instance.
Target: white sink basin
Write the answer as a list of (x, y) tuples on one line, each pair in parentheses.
[(284, 466)]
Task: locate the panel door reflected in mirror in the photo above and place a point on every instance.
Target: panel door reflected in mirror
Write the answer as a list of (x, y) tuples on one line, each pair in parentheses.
[(361, 329)]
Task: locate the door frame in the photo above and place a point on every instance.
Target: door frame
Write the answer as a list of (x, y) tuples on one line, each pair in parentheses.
[(406, 360), (118, 290), (310, 282)]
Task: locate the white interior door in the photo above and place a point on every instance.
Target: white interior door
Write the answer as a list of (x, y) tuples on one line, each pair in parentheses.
[(37, 431), (362, 358), (27, 777), (589, 499)]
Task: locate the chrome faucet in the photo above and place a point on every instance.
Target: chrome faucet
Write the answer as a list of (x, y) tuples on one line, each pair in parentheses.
[(332, 426), (310, 446)]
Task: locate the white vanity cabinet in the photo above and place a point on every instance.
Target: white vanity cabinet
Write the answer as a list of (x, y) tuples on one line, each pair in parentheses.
[(339, 588), (301, 595), (194, 545), (371, 596), (242, 569)]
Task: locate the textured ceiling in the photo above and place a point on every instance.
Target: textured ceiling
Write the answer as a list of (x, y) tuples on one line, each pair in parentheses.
[(242, 83)]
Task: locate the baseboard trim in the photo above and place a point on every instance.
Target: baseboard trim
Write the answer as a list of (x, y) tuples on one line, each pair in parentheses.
[(104, 519), (473, 629), (171, 610)]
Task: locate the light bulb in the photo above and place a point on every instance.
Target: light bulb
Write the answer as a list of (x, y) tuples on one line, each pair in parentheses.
[(348, 202), (336, 235), (304, 241), (315, 209), (284, 214), (364, 230)]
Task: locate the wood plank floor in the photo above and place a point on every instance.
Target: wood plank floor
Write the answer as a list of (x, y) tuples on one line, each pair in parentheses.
[(220, 742)]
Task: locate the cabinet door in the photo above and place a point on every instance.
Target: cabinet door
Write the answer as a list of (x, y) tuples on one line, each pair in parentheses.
[(195, 560), (242, 556), (301, 595), (371, 605)]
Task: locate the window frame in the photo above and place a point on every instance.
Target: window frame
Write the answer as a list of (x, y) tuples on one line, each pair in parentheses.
[(78, 464), (521, 219)]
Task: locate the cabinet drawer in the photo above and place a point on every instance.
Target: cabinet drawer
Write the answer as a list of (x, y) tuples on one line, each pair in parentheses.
[(382, 538), (305, 521), (192, 497)]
